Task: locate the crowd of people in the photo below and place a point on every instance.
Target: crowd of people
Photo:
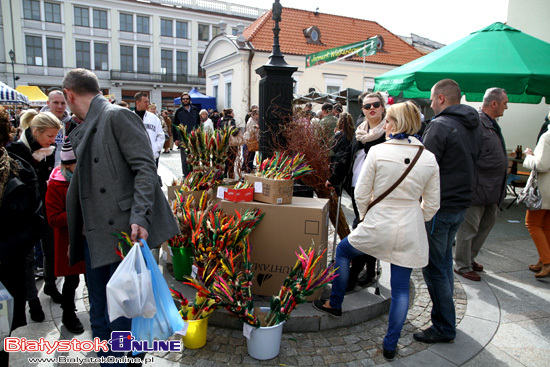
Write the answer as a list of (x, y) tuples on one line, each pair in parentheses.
[(69, 179)]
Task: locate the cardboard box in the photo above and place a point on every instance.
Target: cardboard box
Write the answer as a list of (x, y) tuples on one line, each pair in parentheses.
[(279, 235), (271, 191)]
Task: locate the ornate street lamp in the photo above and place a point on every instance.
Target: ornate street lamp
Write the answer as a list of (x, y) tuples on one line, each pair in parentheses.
[(12, 57)]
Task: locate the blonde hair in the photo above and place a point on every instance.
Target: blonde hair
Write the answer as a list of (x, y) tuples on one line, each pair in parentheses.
[(152, 105), (406, 116), (39, 122)]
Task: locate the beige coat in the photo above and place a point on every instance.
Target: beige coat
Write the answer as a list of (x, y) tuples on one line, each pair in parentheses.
[(394, 230), (541, 157)]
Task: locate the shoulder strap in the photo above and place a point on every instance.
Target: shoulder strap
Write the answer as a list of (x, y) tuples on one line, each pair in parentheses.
[(388, 191)]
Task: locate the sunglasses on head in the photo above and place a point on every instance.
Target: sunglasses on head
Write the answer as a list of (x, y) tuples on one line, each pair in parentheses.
[(367, 106)]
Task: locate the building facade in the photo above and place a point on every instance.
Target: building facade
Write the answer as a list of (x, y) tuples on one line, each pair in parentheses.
[(154, 46), (231, 61)]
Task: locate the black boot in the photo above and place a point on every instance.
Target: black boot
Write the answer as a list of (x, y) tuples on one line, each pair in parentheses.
[(71, 322), (53, 293), (35, 309)]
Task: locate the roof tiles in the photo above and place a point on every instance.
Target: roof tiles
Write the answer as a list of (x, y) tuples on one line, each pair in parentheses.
[(335, 31)]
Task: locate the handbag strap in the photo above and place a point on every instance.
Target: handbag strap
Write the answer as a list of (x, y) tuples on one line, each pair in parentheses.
[(399, 180)]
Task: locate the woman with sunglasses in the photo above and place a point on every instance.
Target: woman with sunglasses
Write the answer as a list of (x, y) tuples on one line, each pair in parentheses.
[(346, 172), (393, 229)]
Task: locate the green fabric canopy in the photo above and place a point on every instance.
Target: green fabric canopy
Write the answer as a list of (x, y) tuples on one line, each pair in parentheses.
[(495, 56)]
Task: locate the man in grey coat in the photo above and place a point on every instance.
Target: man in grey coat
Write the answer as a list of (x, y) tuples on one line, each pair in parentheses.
[(114, 188), (489, 187)]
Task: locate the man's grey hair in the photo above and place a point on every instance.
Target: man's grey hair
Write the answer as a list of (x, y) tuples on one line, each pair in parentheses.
[(493, 94), (81, 82)]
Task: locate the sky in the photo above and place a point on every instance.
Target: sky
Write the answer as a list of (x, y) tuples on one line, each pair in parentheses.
[(444, 21)]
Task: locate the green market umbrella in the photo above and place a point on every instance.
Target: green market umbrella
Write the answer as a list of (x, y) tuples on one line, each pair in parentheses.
[(495, 56)]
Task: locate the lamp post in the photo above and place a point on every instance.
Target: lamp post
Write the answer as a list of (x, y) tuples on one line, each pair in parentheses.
[(12, 57)]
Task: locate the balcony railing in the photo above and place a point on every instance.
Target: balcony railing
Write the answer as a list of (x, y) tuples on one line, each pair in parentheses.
[(157, 78)]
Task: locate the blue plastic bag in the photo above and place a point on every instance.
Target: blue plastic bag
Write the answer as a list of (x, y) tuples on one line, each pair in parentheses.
[(167, 320)]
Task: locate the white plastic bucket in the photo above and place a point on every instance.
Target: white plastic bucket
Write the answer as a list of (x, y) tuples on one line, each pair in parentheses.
[(265, 342)]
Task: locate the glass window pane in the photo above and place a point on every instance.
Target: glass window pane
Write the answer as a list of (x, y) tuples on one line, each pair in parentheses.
[(200, 71), (166, 27), (33, 46), (142, 24), (166, 61), (142, 60), (215, 30), (181, 30), (31, 9), (82, 54), (55, 52), (100, 19), (203, 32), (228, 95), (126, 22), (101, 56), (81, 17), (126, 58), (52, 12), (181, 63)]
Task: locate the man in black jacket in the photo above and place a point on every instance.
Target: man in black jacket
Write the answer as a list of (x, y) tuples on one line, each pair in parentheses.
[(186, 116), (489, 187), (454, 138)]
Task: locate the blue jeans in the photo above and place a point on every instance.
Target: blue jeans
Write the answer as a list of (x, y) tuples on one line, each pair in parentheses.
[(438, 274), (400, 277), (344, 253), (99, 316)]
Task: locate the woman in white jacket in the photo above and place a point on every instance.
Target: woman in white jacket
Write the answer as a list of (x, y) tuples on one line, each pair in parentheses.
[(393, 230), (538, 221)]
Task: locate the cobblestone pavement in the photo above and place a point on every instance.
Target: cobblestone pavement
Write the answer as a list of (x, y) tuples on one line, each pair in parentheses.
[(358, 345)]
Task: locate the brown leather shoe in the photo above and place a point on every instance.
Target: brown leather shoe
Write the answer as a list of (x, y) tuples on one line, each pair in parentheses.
[(535, 267), (477, 266), (472, 275), (544, 272)]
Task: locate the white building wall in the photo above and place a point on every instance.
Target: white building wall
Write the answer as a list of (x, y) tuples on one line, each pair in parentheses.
[(521, 122), (69, 33)]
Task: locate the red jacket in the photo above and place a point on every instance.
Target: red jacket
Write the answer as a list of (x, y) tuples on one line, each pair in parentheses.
[(57, 218)]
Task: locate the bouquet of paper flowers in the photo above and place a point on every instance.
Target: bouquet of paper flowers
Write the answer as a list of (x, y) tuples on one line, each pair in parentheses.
[(206, 149), (283, 167), (210, 231)]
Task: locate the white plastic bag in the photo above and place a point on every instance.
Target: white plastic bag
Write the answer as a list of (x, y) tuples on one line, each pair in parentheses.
[(130, 289)]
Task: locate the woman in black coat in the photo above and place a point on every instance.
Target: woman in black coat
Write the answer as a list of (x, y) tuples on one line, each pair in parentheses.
[(347, 169), (37, 147), (21, 219)]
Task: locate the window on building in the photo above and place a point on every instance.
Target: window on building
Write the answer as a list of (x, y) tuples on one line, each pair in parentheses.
[(100, 19), (166, 27), (204, 30), (55, 52), (215, 31), (126, 58), (234, 31), (166, 61), (200, 71), (52, 12), (142, 24), (228, 95), (101, 56), (83, 54), (181, 62), (333, 89), (143, 60), (31, 9), (181, 29), (33, 47), (126, 22), (215, 92), (81, 16)]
